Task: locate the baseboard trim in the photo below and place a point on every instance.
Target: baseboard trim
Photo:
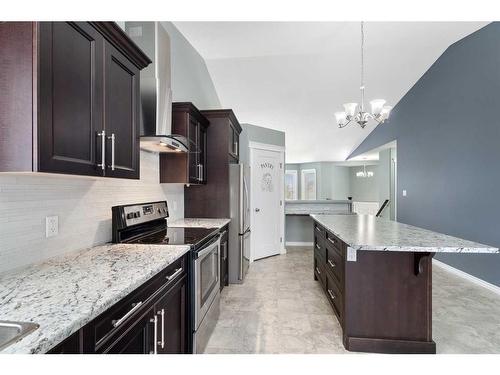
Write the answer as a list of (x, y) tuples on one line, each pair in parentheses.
[(467, 276), (291, 243), (388, 346)]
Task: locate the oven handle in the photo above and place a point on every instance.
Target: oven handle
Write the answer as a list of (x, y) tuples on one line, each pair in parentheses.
[(208, 248)]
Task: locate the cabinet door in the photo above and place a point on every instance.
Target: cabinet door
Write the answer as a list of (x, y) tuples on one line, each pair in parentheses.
[(121, 108), (223, 264), (202, 156), (137, 340), (70, 98), (171, 314), (193, 137)]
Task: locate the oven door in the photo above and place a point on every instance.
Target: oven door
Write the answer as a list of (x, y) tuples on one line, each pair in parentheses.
[(206, 279)]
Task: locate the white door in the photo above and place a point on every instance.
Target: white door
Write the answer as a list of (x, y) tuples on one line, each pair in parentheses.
[(266, 182)]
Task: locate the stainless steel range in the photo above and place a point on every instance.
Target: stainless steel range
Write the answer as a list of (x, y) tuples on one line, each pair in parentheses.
[(146, 223)]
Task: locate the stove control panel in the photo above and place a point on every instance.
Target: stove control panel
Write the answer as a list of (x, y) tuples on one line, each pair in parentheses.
[(142, 213)]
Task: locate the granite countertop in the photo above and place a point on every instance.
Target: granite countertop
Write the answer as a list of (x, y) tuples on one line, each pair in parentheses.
[(198, 223), (65, 293), (318, 201), (367, 232)]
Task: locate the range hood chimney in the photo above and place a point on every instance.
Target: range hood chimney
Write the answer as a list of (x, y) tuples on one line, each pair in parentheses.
[(156, 93)]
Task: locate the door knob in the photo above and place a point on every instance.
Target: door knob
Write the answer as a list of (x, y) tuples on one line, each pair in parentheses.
[(257, 210)]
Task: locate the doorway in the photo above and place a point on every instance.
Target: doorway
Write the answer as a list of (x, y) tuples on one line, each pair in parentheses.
[(267, 196)]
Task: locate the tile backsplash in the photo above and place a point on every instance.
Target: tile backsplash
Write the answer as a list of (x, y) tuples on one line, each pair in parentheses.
[(83, 205)]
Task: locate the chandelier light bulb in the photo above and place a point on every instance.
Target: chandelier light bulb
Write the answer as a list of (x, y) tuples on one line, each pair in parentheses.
[(350, 109), (376, 106), (341, 118)]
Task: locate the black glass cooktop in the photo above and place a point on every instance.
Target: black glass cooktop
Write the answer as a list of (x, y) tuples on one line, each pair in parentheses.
[(177, 236)]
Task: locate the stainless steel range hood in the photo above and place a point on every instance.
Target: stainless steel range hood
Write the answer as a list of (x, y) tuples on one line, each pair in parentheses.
[(156, 93)]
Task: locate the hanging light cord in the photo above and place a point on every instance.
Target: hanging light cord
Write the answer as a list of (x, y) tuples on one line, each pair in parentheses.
[(362, 66)]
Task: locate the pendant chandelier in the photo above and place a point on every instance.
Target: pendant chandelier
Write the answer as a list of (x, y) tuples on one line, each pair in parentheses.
[(364, 173), (379, 111)]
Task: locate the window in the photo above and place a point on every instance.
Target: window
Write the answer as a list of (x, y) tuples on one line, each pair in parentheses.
[(308, 184), (291, 188)]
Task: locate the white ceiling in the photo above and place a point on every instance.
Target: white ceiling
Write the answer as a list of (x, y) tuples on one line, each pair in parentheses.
[(293, 76)]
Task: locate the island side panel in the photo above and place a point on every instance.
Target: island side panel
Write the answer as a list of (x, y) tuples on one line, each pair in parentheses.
[(388, 308)]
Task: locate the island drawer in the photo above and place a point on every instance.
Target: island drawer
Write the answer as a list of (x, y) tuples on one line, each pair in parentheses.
[(334, 264), (319, 270), (319, 246), (318, 229), (334, 242), (334, 296)]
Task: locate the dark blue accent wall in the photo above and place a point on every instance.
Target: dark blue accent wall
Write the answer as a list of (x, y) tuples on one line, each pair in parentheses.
[(447, 129)]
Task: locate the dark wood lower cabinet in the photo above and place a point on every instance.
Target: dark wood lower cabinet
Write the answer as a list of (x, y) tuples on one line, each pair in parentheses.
[(138, 339), (153, 319), (383, 300)]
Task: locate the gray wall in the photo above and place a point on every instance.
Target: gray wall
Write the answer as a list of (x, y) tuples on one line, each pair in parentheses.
[(298, 229), (191, 81), (447, 131), (386, 181), (364, 189), (264, 135)]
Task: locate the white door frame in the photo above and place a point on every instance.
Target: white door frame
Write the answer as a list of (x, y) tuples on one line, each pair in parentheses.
[(264, 146)]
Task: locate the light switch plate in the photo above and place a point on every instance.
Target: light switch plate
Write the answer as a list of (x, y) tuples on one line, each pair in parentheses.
[(51, 226), (404, 193)]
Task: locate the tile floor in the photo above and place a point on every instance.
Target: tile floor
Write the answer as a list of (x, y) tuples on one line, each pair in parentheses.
[(281, 309)]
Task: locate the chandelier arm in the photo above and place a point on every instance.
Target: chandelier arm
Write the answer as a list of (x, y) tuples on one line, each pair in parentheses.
[(347, 123)]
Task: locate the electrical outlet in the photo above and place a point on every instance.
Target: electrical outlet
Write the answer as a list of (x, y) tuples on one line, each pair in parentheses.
[(404, 193), (51, 226)]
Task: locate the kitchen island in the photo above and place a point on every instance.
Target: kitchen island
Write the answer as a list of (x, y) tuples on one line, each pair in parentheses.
[(377, 276)]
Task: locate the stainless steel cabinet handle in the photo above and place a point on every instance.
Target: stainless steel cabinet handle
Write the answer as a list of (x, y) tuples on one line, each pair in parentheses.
[(201, 173), (162, 314), (135, 307), (332, 295), (155, 337), (332, 264), (103, 149), (331, 240), (174, 275), (318, 271), (319, 230), (112, 138), (317, 246)]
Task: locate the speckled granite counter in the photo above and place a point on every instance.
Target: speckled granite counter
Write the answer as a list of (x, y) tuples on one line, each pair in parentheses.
[(367, 232), (65, 293), (302, 207), (198, 223)]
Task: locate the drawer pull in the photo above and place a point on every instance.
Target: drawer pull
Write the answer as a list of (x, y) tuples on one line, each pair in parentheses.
[(174, 275), (332, 240), (318, 271), (332, 264), (317, 228), (317, 246), (332, 295), (135, 307)]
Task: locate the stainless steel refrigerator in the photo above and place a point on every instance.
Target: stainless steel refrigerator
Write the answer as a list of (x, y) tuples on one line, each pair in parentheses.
[(239, 229)]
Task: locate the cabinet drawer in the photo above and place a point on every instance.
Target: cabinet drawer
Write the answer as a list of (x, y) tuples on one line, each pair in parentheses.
[(124, 311), (334, 264), (335, 242), (319, 246), (319, 270), (318, 229), (334, 296)]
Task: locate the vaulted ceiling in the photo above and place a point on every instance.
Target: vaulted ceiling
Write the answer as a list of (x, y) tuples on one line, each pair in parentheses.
[(293, 76)]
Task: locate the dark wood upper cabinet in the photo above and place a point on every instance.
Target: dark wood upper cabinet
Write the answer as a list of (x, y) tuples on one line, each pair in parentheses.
[(121, 108), (70, 101), (212, 198), (190, 167)]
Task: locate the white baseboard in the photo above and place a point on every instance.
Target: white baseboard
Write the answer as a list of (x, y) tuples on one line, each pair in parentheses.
[(298, 244), (465, 275)]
